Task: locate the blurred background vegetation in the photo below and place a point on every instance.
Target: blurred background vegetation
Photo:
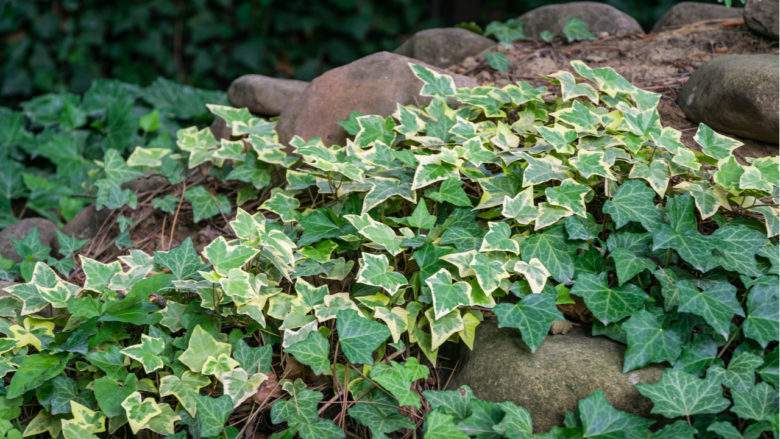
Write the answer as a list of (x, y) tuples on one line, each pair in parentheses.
[(54, 46)]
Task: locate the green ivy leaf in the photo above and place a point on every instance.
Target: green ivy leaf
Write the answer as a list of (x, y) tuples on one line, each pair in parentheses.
[(601, 420), (205, 204), (397, 378), (633, 201), (359, 337), (554, 253), (183, 261), (716, 302), (608, 304), (761, 323), (212, 414), (532, 315), (682, 235), (758, 403), (628, 265), (313, 352), (442, 426), (682, 394), (649, 341)]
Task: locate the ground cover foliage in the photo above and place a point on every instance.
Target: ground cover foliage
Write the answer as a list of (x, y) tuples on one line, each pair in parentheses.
[(49, 147), (364, 260)]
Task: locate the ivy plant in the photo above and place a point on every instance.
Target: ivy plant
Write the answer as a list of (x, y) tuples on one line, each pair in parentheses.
[(362, 262)]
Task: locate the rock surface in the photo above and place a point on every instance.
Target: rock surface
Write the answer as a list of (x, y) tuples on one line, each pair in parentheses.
[(565, 369), (737, 94), (264, 95), (445, 46), (761, 16), (690, 12), (19, 230), (369, 85), (86, 223), (600, 18)]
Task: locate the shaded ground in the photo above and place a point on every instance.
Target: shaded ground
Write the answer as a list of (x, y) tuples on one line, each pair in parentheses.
[(659, 62)]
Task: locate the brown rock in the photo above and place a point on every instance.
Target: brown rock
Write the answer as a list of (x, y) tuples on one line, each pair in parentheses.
[(445, 46), (370, 85), (690, 12), (565, 369), (761, 16), (600, 18), (264, 95), (737, 94), (86, 223), (19, 230)]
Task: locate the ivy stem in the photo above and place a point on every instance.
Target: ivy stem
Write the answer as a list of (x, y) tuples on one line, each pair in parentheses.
[(728, 343)]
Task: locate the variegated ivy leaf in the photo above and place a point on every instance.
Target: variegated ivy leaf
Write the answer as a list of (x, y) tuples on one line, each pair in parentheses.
[(608, 304), (715, 145), (532, 315), (271, 151), (729, 173), (241, 287), (656, 173), (240, 385), (686, 158), (446, 294), (51, 287), (559, 137), (395, 318), (570, 195), (237, 119), (504, 138), (85, 422), (443, 328), (383, 188), (549, 215), (771, 219), (708, 199), (641, 122), (314, 153), (283, 204), (606, 78), (489, 271), (397, 378), (147, 352), (116, 168), (199, 143), (579, 116), (522, 92), (434, 84), (375, 270), (669, 139), (570, 89), (373, 128), (542, 169), (28, 334), (475, 153), (534, 272), (409, 120), (205, 204), (139, 412), (590, 163), (218, 365), (185, 388), (752, 178), (139, 264), (376, 232), (498, 238), (332, 304), (432, 168), (97, 274), (225, 257), (202, 346), (521, 207), (147, 157)]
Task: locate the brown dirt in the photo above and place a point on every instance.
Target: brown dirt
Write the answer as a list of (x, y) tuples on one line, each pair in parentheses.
[(659, 62)]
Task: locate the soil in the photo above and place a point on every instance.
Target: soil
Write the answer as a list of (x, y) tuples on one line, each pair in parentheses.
[(659, 62)]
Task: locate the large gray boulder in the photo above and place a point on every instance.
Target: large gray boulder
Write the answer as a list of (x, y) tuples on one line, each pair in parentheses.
[(19, 230), (761, 16), (565, 369), (690, 12), (370, 85), (600, 18), (264, 95), (445, 46), (737, 94)]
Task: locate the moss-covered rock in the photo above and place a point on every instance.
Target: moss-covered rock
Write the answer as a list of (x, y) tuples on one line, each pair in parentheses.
[(565, 369)]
